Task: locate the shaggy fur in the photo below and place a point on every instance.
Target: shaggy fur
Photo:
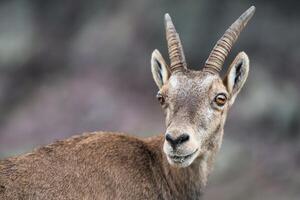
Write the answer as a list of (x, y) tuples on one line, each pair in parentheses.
[(99, 165)]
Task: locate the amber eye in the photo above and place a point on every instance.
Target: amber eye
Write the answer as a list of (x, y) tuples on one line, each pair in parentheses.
[(160, 98), (220, 99)]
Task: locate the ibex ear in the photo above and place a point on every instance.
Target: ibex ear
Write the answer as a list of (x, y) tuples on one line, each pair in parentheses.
[(237, 75), (159, 68)]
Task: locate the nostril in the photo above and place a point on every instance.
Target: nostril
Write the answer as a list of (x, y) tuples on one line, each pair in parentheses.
[(169, 138), (177, 141), (183, 138)]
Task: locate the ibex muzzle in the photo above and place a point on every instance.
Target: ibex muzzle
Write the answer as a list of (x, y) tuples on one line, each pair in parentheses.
[(196, 102)]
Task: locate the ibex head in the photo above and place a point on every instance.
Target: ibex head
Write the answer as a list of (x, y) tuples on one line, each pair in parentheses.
[(196, 102)]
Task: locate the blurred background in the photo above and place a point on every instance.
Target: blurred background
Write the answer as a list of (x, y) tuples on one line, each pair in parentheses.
[(68, 67)]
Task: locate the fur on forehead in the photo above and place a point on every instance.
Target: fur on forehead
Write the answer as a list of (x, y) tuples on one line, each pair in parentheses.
[(190, 80)]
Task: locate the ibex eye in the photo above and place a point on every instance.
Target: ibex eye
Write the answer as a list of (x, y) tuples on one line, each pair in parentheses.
[(220, 99), (160, 98)]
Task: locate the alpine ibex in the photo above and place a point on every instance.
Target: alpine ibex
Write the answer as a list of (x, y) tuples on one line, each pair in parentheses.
[(174, 165)]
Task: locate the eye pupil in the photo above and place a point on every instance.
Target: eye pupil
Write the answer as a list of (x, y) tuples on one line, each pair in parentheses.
[(160, 98), (220, 99)]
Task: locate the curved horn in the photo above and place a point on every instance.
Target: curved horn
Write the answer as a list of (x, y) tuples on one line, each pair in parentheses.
[(176, 54), (222, 48)]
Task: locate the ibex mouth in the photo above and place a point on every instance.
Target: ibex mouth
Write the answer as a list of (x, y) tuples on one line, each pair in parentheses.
[(180, 158)]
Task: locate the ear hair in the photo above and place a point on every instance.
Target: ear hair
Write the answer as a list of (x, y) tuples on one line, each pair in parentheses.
[(159, 68), (237, 75)]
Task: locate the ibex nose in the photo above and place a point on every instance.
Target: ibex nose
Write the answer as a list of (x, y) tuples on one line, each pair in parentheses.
[(174, 142)]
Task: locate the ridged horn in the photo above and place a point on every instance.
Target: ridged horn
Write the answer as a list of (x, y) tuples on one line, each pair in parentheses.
[(176, 54), (222, 48)]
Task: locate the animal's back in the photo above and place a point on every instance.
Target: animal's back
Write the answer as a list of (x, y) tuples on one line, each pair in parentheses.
[(92, 166)]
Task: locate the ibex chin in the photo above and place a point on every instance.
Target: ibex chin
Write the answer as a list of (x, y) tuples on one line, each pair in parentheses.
[(174, 165)]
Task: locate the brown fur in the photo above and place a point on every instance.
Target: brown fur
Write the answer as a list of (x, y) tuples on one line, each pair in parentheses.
[(98, 165)]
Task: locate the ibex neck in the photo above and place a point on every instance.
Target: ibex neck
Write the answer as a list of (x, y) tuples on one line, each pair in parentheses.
[(189, 181)]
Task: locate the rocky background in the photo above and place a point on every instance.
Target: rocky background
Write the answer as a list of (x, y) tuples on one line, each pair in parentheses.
[(68, 67)]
